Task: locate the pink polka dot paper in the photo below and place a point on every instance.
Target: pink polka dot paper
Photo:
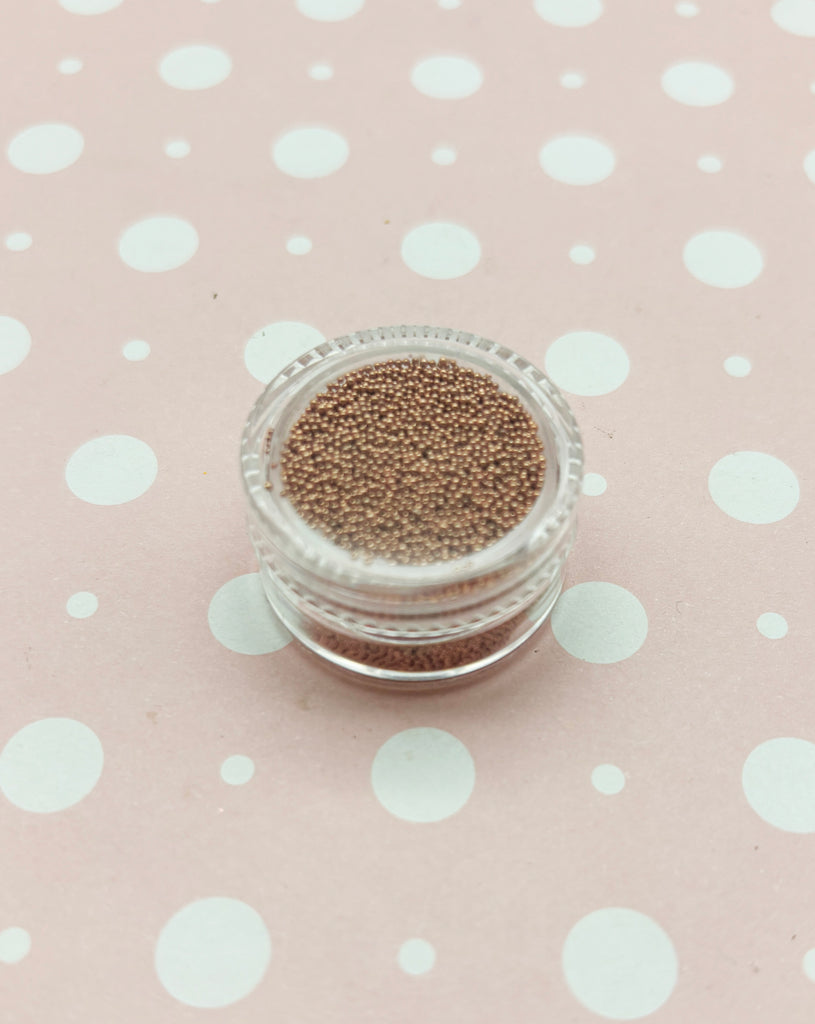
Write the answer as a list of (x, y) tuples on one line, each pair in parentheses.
[(615, 824)]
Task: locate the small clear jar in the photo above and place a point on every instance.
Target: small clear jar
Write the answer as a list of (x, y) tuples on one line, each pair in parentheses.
[(410, 626)]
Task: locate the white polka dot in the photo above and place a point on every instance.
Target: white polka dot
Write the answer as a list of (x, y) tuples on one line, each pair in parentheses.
[(50, 765), (577, 160), (69, 66), (587, 363), (619, 963), (416, 956), (444, 156), (697, 84), (15, 343), (195, 67), (310, 152), (447, 78), (449, 5), (330, 10), (441, 251), (82, 605), (136, 350), (737, 366), (599, 622), (89, 6), (572, 80), (795, 16), (723, 259), (156, 244), (213, 952), (569, 13), (242, 620), (111, 470), (177, 148), (808, 964), (812, 87), (686, 10), (753, 487), (608, 779), (298, 245), (772, 625), (709, 164), (809, 166), (15, 945), (237, 770), (321, 72), (18, 241), (274, 346), (423, 775), (45, 148), (582, 255), (778, 780), (594, 484)]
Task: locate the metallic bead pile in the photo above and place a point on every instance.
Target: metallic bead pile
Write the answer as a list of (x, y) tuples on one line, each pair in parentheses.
[(414, 461)]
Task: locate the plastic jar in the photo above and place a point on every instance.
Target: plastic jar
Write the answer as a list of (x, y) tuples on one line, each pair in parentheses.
[(410, 626)]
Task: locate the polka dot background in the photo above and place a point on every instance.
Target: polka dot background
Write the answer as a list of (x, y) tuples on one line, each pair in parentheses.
[(615, 824)]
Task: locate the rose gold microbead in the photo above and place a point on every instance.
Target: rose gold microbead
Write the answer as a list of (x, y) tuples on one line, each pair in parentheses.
[(413, 460)]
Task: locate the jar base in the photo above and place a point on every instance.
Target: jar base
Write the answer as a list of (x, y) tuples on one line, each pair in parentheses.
[(378, 664)]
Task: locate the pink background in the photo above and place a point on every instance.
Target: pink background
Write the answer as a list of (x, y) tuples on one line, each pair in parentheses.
[(340, 882)]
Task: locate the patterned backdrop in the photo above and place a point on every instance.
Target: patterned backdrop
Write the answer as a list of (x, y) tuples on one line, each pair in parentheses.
[(616, 822)]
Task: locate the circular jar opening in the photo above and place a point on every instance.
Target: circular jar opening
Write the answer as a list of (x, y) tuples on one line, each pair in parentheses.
[(415, 623)]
